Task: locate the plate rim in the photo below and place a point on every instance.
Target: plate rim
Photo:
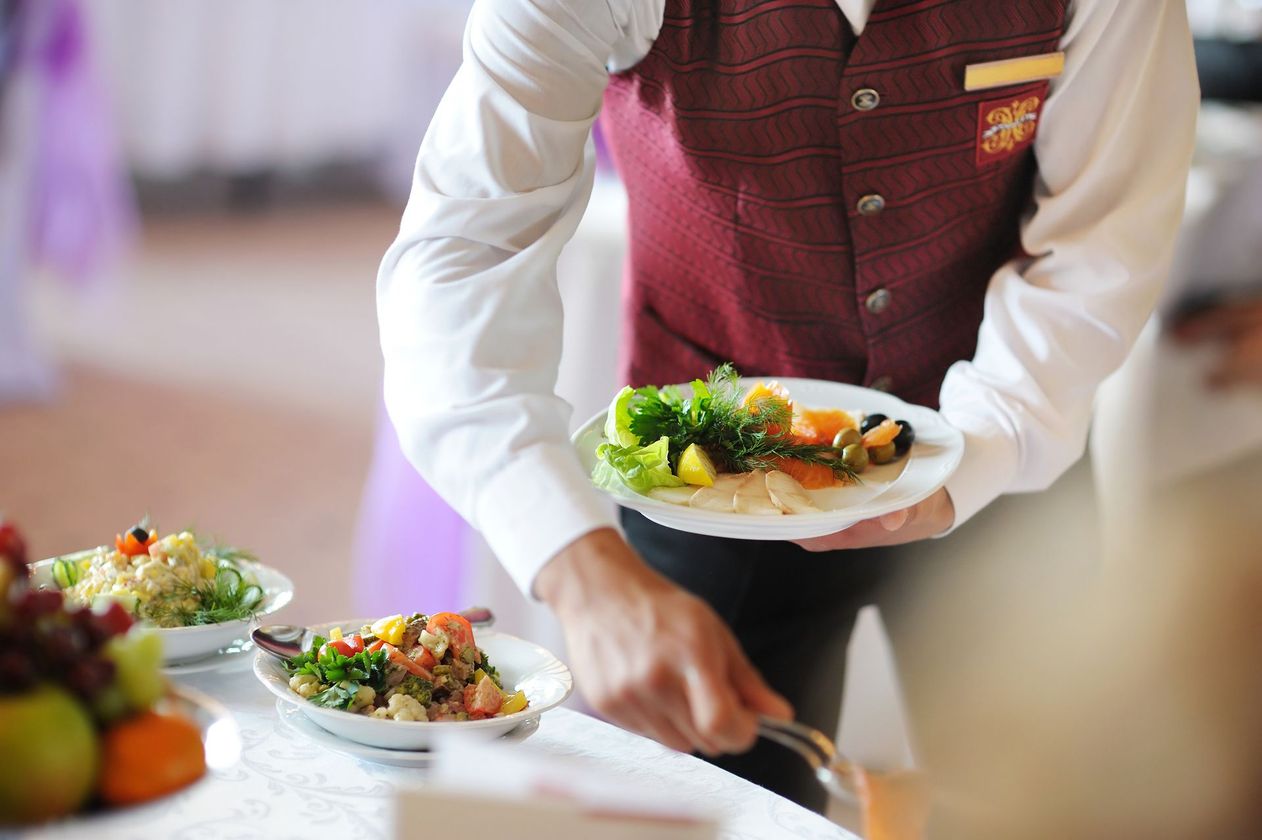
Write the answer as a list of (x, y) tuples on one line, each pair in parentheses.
[(292, 715)]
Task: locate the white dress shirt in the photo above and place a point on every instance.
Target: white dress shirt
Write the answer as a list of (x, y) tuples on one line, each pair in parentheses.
[(467, 295)]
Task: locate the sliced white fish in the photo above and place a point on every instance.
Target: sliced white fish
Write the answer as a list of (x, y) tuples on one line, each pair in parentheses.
[(752, 496), (788, 494), (673, 495), (720, 497)]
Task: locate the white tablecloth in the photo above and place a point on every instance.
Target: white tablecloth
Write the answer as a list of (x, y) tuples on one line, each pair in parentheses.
[(286, 786)]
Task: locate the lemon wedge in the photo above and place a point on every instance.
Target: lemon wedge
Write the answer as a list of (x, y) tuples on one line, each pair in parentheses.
[(695, 467)]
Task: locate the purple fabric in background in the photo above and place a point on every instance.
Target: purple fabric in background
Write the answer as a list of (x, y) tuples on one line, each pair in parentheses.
[(410, 546), (82, 208), (604, 161)]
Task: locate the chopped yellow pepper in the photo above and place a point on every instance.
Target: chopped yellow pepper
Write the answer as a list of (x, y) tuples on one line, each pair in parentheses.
[(390, 629), (335, 634), (515, 702)]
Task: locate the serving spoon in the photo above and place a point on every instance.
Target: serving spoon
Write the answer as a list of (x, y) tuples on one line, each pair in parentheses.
[(285, 641)]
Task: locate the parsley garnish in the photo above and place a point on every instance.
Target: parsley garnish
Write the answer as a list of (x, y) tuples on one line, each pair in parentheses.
[(716, 418)]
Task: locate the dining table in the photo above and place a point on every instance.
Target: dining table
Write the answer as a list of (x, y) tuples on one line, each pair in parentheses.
[(286, 785)]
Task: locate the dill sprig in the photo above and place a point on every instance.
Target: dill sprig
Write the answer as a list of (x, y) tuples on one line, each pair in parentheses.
[(738, 437), (225, 597)]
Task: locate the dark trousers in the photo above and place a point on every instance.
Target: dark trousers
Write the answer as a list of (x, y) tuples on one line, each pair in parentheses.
[(791, 610)]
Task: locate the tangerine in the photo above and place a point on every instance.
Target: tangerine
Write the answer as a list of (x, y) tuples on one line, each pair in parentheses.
[(768, 393), (821, 425), (881, 435), (147, 756)]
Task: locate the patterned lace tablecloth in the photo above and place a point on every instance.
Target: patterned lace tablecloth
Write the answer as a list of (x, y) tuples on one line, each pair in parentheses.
[(286, 786)]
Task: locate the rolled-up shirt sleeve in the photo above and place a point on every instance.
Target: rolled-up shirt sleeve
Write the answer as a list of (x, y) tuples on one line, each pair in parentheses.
[(468, 307), (1113, 150)]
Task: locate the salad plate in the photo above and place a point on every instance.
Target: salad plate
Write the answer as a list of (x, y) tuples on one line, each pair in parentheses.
[(292, 718), (930, 461), (522, 666), (237, 654), (184, 645)]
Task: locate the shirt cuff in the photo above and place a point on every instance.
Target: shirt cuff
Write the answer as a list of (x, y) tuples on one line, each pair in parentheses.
[(988, 468), (537, 505)]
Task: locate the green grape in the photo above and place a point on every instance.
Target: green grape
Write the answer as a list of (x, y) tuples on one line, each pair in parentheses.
[(137, 656)]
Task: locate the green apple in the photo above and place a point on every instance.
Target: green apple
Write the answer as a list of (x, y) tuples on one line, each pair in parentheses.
[(51, 755), (137, 658)]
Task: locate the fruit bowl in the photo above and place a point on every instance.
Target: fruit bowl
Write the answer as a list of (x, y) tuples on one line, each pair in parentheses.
[(221, 744)]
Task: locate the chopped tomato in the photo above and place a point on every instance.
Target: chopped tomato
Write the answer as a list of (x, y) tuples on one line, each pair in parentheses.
[(455, 627), (425, 659), (483, 700), (347, 646), (405, 662)]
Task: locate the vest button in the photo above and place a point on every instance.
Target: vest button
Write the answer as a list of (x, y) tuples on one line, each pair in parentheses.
[(882, 383), (865, 99), (870, 205), (878, 301)]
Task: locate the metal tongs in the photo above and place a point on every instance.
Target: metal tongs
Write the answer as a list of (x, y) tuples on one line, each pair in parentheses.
[(834, 772)]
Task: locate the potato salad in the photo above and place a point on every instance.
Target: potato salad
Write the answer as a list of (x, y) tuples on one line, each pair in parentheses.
[(171, 581)]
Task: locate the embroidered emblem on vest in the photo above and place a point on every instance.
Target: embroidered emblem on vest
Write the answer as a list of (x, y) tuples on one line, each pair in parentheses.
[(1006, 126)]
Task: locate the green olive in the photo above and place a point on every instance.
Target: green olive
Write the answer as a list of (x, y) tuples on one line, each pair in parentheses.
[(847, 437), (855, 457), (883, 454)]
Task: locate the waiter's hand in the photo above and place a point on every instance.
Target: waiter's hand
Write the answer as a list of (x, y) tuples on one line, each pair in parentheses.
[(933, 516), (649, 655)]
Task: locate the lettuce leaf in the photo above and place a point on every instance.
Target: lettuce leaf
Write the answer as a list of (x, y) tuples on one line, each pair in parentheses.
[(641, 468), (618, 420)]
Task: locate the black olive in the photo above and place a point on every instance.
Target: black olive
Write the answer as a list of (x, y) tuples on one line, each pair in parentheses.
[(140, 534), (906, 437), (871, 422)]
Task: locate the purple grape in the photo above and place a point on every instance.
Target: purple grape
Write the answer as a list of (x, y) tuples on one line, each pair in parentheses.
[(33, 603), (17, 671), (63, 644), (113, 620), (89, 676)]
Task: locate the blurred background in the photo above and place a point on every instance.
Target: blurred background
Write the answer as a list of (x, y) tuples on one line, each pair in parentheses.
[(194, 197)]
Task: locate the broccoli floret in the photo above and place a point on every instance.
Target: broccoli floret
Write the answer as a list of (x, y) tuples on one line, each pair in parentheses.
[(417, 687)]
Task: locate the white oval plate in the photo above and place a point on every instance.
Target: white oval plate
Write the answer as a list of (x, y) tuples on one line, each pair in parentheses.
[(522, 665), (293, 718), (884, 489), (184, 644)]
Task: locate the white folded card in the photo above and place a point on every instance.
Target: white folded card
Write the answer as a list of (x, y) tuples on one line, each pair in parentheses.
[(426, 813), (487, 789)]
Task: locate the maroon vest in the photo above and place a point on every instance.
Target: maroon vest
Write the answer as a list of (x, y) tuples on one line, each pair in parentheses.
[(807, 203)]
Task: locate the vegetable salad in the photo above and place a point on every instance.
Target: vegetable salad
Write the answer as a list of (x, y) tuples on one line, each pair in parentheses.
[(171, 581), (419, 668)]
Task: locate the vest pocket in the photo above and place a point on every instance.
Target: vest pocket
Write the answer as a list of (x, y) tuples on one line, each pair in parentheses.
[(661, 356)]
